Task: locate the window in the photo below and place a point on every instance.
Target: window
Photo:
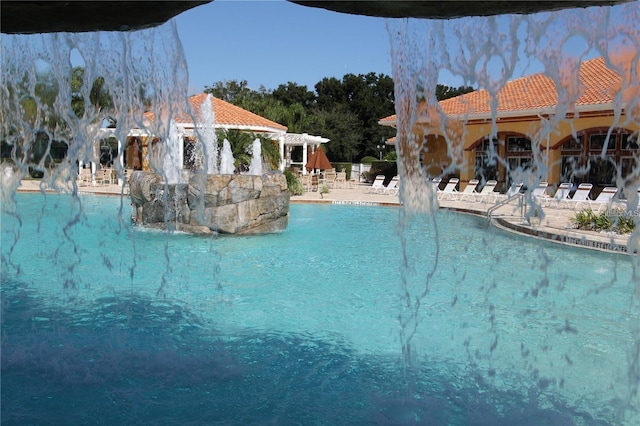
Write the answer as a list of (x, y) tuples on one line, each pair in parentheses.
[(518, 144), (597, 141), (602, 171), (486, 160), (629, 142)]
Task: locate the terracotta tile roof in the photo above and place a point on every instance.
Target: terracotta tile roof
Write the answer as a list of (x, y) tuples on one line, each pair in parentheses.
[(599, 85), (227, 115)]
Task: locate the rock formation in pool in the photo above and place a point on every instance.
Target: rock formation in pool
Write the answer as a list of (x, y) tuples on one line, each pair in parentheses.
[(225, 204)]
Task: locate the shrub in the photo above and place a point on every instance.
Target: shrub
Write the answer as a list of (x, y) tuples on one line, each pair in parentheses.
[(368, 160), (343, 167), (387, 168), (294, 186), (611, 220)]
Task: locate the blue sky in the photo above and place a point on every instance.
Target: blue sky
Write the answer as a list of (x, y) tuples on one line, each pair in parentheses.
[(273, 42)]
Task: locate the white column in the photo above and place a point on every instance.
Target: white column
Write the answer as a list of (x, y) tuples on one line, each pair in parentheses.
[(281, 151), (304, 158), (93, 173)]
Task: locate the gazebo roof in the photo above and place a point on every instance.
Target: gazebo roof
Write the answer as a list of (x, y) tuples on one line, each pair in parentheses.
[(302, 138), (226, 116)]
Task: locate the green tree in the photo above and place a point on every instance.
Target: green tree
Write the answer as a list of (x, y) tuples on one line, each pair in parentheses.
[(100, 100), (233, 91), (445, 92), (292, 93), (342, 127)]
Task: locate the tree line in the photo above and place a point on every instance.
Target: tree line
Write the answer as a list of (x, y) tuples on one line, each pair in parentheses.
[(344, 110)]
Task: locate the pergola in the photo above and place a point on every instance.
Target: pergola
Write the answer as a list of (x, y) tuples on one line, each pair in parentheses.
[(286, 142)]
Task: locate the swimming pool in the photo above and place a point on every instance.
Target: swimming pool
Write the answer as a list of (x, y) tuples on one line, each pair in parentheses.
[(103, 323)]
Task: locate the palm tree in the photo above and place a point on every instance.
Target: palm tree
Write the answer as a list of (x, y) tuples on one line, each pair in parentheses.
[(241, 144)]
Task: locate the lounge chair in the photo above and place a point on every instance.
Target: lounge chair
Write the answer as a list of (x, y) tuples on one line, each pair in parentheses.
[(392, 187), (436, 184), (470, 190), (449, 189), (581, 195), (489, 190), (513, 190), (540, 191), (605, 197), (562, 193), (378, 185)]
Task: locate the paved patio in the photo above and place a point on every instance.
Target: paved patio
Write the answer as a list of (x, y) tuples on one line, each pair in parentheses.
[(555, 225)]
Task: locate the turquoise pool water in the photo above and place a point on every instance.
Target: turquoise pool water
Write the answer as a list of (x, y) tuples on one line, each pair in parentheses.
[(103, 323)]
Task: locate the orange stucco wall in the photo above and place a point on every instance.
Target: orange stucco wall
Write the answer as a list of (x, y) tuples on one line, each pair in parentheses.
[(437, 153)]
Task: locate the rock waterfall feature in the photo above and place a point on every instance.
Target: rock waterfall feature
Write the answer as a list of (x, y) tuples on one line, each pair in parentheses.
[(224, 204)]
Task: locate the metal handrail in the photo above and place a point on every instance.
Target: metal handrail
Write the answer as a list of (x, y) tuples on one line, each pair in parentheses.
[(518, 195)]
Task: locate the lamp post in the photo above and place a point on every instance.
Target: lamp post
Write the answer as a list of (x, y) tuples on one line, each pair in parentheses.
[(380, 148)]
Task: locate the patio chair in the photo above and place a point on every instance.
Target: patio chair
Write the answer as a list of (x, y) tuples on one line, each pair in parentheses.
[(330, 179), (581, 195), (450, 189), (436, 184), (513, 190), (470, 190), (314, 183), (562, 193), (84, 177), (489, 190), (392, 187), (377, 186), (605, 197), (306, 182), (341, 180), (540, 191)]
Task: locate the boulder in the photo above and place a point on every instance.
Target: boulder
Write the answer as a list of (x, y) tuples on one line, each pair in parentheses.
[(227, 204)]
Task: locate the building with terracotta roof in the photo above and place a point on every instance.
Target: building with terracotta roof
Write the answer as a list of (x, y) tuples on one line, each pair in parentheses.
[(565, 133), (224, 116)]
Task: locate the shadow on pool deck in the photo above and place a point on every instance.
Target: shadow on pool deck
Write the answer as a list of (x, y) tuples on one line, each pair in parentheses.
[(554, 226)]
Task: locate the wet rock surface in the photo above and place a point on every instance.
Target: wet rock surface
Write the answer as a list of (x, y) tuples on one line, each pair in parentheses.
[(226, 204)]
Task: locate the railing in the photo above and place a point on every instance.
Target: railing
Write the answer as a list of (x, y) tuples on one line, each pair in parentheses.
[(504, 202)]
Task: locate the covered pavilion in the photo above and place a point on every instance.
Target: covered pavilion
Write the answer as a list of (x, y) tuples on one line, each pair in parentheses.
[(225, 116)]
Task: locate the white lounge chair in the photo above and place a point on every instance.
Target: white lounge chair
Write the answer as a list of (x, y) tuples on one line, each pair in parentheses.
[(449, 189), (540, 191), (513, 190), (378, 185), (392, 187), (562, 193), (436, 184), (605, 197), (488, 191), (581, 195), (470, 190)]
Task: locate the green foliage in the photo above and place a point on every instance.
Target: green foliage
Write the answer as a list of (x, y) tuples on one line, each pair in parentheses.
[(241, 143), (387, 168), (391, 156), (368, 160), (611, 220), (294, 186), (344, 110), (343, 167), (445, 92), (343, 129), (98, 96)]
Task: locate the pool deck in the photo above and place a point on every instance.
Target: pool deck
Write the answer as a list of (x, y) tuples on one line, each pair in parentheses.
[(554, 226)]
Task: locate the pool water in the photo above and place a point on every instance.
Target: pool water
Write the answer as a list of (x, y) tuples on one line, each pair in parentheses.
[(105, 323)]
